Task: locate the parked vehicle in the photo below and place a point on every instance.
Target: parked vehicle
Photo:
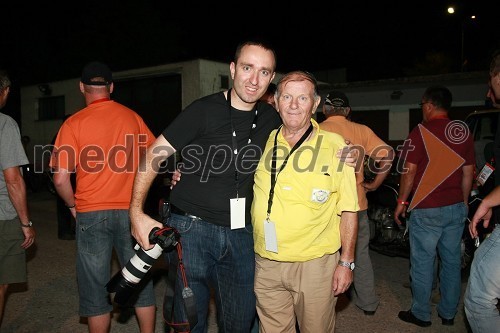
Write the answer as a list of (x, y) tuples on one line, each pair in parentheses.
[(483, 126)]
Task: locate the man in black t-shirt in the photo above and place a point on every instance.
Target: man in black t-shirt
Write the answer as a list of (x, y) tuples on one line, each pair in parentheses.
[(221, 138)]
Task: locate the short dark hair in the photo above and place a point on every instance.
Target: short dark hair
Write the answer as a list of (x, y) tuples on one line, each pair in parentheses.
[(439, 96), (257, 42), (4, 80)]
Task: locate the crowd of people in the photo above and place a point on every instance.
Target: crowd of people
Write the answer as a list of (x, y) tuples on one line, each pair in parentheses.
[(287, 231)]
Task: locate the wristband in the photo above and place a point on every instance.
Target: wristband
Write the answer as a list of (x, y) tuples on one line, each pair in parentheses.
[(405, 203)]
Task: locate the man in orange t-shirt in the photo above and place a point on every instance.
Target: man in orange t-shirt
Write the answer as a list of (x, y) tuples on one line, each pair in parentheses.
[(102, 144), (336, 108)]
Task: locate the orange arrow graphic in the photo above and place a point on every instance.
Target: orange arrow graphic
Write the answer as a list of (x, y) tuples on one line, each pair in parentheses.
[(443, 162)]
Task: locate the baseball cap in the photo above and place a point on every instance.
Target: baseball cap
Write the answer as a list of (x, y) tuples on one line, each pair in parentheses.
[(337, 99), (96, 74)]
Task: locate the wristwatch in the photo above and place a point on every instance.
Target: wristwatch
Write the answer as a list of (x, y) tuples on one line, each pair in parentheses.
[(29, 225), (347, 264)]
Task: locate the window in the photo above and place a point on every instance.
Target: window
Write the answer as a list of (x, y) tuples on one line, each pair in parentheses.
[(50, 108)]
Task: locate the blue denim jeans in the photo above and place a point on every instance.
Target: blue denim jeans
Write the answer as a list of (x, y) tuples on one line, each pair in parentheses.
[(219, 258), (97, 233), (432, 231), (483, 288)]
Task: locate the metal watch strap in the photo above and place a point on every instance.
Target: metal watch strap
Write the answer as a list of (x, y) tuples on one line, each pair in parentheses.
[(347, 264)]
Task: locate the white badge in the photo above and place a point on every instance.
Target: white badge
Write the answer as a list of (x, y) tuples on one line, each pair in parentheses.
[(237, 213), (270, 236), (485, 173)]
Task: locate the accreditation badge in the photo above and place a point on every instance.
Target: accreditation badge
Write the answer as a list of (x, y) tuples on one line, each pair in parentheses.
[(319, 195)]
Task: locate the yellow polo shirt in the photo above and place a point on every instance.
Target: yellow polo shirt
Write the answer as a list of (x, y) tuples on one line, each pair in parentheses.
[(310, 194)]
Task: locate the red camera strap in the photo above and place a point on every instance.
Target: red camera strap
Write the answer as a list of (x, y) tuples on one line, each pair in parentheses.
[(187, 296)]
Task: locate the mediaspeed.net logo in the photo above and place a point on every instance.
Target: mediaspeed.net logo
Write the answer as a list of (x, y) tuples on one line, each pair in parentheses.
[(443, 161)]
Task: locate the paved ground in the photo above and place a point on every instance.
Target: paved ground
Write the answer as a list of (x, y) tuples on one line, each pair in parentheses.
[(49, 302)]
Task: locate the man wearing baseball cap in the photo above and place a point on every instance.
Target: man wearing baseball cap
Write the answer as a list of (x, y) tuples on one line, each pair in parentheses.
[(336, 109), (102, 144)]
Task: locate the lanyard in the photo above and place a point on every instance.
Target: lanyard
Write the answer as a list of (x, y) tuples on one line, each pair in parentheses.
[(274, 174), (235, 142)]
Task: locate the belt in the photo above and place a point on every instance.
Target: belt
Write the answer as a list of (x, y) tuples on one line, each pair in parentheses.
[(178, 211)]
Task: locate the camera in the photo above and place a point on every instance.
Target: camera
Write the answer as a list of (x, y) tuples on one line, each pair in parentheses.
[(126, 282)]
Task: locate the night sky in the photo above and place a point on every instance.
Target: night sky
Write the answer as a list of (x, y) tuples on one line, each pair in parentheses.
[(52, 40)]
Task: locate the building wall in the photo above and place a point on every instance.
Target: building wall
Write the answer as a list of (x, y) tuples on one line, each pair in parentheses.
[(401, 97), (199, 78)]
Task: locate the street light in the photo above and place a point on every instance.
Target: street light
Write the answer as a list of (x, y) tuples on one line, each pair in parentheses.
[(463, 21)]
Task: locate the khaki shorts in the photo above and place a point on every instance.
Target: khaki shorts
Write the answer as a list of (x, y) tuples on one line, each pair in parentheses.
[(12, 255)]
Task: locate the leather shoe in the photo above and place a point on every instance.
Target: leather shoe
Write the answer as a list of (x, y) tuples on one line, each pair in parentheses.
[(369, 313), (408, 317), (447, 322)]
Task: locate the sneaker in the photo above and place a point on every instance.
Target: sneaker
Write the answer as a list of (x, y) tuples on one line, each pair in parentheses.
[(408, 317)]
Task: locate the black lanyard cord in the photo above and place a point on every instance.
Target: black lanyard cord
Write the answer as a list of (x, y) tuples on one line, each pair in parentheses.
[(274, 173), (235, 142)]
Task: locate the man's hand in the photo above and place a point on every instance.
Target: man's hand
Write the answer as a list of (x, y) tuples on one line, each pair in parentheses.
[(348, 155), (140, 228), (342, 279), (176, 177), (399, 211), (29, 237), (483, 213)]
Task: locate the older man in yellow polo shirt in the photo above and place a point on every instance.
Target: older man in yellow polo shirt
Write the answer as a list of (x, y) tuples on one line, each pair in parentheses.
[(304, 211)]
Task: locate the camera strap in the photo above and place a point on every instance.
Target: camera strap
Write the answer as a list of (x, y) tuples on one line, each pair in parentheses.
[(188, 298)]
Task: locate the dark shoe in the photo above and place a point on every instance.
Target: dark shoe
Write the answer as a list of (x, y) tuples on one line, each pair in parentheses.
[(408, 317), (447, 322), (369, 313)]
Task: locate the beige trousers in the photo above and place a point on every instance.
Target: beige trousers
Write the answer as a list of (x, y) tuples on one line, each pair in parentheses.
[(290, 292)]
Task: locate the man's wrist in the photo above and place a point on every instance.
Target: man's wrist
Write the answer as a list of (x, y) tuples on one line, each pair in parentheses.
[(27, 225), (349, 264), (403, 202)]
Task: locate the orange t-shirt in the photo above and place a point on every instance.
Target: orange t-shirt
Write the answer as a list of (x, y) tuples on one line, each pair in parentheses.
[(102, 143), (358, 135)]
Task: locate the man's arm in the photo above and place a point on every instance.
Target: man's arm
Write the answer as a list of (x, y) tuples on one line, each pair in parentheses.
[(483, 212), (405, 186), (383, 169), (16, 189), (62, 183), (141, 224), (467, 179), (343, 276)]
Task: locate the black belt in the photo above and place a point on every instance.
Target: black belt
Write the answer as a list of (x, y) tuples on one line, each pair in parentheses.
[(176, 210)]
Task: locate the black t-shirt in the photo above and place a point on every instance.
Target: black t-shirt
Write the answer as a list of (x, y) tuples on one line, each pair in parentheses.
[(202, 132)]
